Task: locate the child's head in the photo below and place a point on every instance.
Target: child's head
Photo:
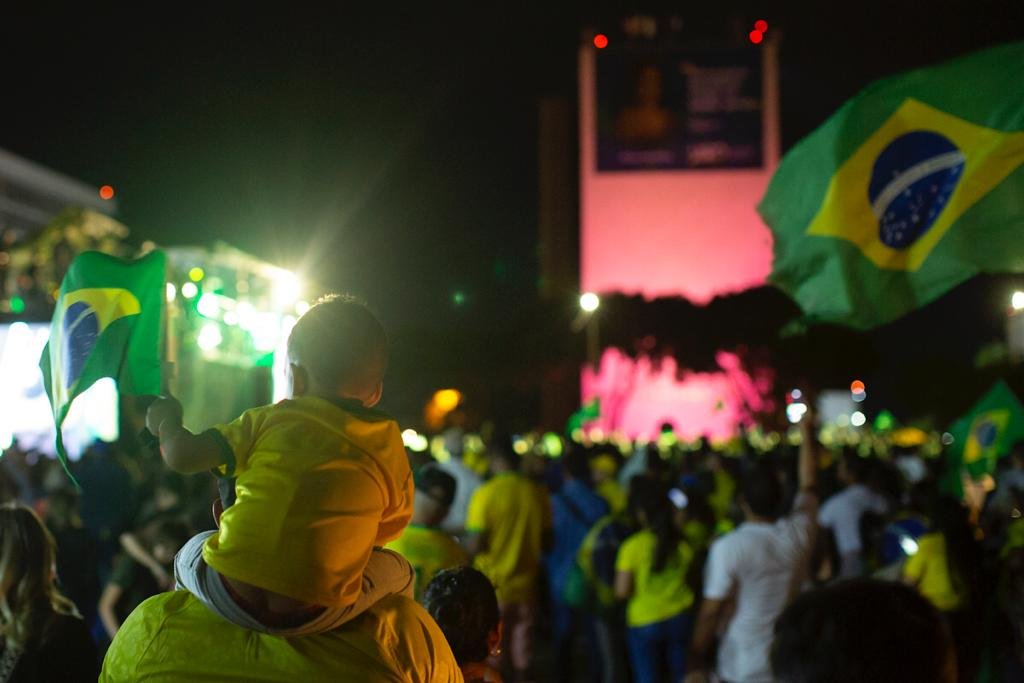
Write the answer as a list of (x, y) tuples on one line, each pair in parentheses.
[(463, 603), (338, 348)]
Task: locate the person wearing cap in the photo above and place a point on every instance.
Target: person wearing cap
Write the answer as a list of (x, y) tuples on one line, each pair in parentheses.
[(423, 543)]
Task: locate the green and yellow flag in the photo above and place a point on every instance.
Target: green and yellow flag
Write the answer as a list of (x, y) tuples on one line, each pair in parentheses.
[(913, 186), (106, 324), (987, 432)]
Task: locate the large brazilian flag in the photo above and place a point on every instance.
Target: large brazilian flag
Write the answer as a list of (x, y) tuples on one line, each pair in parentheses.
[(106, 324), (913, 186)]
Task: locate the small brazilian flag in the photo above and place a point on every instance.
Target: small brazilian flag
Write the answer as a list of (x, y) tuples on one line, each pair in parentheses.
[(987, 432), (913, 186), (106, 324)]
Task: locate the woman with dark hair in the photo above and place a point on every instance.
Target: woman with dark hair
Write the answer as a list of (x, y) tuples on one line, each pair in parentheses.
[(42, 637), (945, 569), (651, 574), (463, 603)]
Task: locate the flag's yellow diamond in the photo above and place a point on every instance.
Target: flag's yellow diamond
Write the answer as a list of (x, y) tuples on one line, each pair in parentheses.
[(984, 434), (906, 186)]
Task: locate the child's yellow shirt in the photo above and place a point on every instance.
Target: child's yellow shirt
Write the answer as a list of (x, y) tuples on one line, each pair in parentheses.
[(318, 486)]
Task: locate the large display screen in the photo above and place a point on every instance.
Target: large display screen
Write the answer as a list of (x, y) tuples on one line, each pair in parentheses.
[(25, 413), (676, 149)]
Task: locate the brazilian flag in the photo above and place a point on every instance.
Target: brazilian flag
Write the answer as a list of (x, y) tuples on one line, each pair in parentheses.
[(106, 324), (910, 188), (985, 434)]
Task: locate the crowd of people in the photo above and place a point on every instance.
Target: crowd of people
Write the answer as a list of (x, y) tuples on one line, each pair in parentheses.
[(308, 543)]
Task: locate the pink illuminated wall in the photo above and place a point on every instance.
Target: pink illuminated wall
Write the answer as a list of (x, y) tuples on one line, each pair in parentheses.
[(664, 233)]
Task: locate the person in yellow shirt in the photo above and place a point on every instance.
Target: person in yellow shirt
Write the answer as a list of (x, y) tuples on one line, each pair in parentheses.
[(321, 479), (508, 527), (652, 574), (172, 637), (428, 549)]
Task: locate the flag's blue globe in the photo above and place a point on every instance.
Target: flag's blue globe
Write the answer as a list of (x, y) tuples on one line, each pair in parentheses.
[(81, 329), (986, 433), (911, 182)]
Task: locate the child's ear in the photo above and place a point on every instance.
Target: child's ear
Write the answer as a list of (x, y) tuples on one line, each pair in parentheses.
[(494, 639), (375, 397), (299, 380)]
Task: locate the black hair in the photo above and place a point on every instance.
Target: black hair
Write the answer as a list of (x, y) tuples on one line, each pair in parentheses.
[(651, 497), (762, 489), (576, 462), (463, 603), (341, 343), (862, 630), (857, 468), (436, 483)]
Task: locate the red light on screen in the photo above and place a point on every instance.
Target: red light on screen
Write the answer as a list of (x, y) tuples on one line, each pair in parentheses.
[(761, 25), (106, 192), (600, 41)]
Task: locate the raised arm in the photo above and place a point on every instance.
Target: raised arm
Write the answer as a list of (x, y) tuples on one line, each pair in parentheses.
[(807, 466), (182, 450)]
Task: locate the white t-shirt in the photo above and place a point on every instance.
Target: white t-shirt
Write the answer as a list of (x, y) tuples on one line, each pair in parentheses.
[(466, 482), (765, 565), (842, 512)]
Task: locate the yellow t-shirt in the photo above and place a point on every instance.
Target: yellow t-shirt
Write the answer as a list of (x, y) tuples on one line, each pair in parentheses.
[(428, 551), (656, 596), (172, 637), (318, 487), (928, 567), (512, 512)]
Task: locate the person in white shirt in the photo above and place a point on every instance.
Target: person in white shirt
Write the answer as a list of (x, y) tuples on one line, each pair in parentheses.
[(760, 566), (841, 514)]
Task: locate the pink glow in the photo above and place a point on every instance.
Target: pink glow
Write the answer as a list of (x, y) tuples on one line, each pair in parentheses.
[(663, 233), (636, 398), (667, 233)]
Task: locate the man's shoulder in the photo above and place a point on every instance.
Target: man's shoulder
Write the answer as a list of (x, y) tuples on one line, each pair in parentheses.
[(395, 639)]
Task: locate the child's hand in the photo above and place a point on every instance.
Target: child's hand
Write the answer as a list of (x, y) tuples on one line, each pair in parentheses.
[(161, 410)]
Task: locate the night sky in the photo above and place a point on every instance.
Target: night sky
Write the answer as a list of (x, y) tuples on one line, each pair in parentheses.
[(391, 151)]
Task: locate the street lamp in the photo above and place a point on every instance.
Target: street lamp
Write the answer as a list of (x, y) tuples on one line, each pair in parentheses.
[(590, 302)]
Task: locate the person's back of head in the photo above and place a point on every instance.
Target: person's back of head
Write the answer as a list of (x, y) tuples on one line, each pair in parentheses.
[(342, 347), (463, 603), (27, 589), (62, 510), (762, 491), (502, 455), (168, 538), (862, 630), (435, 493), (854, 467), (576, 464)]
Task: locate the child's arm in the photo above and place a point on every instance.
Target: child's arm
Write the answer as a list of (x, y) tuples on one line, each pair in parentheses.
[(182, 450)]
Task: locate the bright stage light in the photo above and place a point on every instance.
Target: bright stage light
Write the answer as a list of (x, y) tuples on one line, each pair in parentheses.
[(301, 307), (209, 337), (590, 302), (287, 289), (189, 290), (858, 419), (1017, 300), (171, 291), (415, 441), (795, 412)]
